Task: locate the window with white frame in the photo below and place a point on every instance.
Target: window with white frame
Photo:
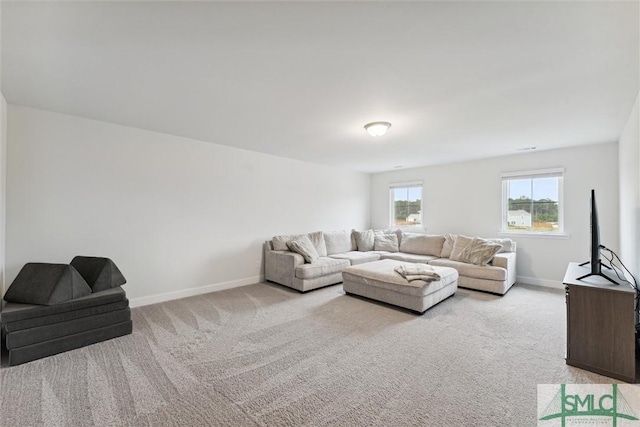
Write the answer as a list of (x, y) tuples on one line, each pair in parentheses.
[(532, 201), (405, 204)]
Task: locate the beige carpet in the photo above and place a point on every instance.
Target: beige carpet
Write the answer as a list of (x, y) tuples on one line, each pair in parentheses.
[(265, 355)]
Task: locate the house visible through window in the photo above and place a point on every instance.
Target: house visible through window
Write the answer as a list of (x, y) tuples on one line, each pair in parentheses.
[(406, 205), (532, 201)]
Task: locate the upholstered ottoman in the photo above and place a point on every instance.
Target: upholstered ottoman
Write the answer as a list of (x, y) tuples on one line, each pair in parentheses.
[(378, 280)]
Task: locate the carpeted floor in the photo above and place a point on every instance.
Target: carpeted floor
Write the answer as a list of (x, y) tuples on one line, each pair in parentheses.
[(265, 355)]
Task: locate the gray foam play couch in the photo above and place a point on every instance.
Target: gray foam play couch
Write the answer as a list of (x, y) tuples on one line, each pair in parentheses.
[(52, 308)]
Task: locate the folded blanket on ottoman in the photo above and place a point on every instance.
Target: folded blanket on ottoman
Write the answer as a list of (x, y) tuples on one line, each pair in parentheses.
[(417, 272)]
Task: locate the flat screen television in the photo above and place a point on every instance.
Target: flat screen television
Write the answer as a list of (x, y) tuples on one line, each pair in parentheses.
[(595, 263)]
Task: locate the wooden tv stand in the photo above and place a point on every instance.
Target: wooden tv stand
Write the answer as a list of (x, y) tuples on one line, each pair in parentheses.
[(600, 324)]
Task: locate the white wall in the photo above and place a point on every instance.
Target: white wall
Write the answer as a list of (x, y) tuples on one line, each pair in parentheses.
[(629, 172), (3, 180), (465, 198), (172, 213), (3, 169)]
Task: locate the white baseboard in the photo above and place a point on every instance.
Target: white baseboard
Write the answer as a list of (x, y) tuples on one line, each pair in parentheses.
[(556, 284), (183, 293)]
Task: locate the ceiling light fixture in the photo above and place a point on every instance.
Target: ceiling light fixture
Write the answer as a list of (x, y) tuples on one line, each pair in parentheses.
[(377, 128)]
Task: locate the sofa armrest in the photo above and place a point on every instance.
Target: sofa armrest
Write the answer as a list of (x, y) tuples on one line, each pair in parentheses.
[(506, 260), (280, 266)]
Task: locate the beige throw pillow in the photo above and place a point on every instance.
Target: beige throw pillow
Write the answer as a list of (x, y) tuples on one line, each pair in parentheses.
[(479, 252), (364, 240), (304, 247), (386, 242), (461, 242)]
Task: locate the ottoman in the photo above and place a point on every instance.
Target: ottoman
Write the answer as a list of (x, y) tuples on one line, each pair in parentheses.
[(377, 280)]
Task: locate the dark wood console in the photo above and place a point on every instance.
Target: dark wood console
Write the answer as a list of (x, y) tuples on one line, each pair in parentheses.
[(600, 324)]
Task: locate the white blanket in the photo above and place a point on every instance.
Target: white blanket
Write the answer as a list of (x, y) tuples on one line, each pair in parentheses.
[(417, 271)]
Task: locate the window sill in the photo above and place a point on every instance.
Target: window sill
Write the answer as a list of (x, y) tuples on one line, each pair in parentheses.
[(534, 234), (409, 228)]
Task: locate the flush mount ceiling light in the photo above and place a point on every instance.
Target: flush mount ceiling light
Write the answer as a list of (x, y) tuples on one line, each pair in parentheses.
[(377, 128)]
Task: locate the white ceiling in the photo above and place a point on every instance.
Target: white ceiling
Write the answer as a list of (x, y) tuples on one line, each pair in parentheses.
[(458, 80)]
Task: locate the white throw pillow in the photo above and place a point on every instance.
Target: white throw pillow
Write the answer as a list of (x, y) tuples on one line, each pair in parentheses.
[(508, 245)]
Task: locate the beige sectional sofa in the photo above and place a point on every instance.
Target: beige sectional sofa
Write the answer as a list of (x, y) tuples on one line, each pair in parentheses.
[(338, 250)]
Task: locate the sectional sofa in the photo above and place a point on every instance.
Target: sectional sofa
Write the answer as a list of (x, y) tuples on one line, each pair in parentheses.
[(338, 250)]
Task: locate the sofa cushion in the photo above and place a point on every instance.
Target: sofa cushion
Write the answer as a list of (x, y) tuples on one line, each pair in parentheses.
[(47, 284), (364, 240), (461, 242), (401, 256), (422, 244), (317, 238), (487, 272), (479, 252), (447, 246), (13, 312), (356, 257), (386, 242), (338, 242), (304, 247), (99, 273), (397, 232), (323, 267)]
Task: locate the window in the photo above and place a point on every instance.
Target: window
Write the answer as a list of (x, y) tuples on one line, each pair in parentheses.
[(532, 201), (406, 204)]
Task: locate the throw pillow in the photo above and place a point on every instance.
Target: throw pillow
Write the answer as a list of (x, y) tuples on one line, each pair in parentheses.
[(304, 247), (364, 240), (479, 252), (47, 284), (447, 247), (460, 243), (280, 242), (508, 245), (386, 242)]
